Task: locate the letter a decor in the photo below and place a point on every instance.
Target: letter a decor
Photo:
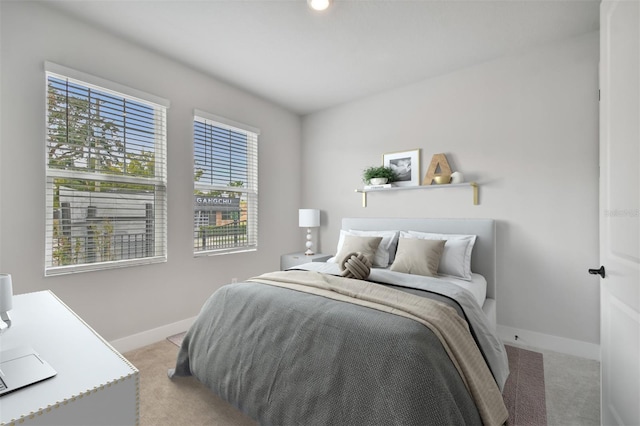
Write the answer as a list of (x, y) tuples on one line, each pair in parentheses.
[(439, 166)]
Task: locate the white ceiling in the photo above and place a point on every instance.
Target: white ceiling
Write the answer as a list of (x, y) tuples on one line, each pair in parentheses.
[(307, 61)]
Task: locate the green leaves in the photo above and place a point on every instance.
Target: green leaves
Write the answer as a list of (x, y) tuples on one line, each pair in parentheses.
[(379, 172)]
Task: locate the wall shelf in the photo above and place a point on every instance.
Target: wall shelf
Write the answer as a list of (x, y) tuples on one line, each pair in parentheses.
[(473, 185)]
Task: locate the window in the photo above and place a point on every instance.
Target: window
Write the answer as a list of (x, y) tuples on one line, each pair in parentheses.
[(105, 174), (225, 196)]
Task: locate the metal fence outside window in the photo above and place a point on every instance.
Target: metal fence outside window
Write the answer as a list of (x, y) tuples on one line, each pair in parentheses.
[(230, 235)]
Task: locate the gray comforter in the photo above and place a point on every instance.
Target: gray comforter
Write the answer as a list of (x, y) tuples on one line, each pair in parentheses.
[(287, 357)]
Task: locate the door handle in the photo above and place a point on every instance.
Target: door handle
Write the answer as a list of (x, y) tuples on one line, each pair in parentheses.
[(599, 271)]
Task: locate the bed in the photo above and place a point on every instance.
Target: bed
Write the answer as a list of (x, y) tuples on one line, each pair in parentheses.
[(308, 346)]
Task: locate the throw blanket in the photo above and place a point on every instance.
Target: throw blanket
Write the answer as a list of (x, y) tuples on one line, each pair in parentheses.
[(441, 289), (289, 357), (442, 320)]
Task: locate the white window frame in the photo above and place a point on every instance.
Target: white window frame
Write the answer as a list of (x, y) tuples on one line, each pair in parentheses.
[(159, 181), (250, 190)]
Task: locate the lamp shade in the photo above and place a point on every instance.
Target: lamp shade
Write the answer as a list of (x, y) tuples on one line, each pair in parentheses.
[(308, 218), (6, 293)]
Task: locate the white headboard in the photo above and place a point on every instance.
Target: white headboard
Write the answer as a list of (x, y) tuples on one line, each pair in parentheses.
[(483, 257)]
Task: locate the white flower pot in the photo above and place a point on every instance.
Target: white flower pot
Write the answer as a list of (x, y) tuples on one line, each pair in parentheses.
[(378, 181)]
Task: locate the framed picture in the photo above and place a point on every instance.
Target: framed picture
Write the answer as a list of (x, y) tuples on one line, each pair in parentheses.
[(406, 164)]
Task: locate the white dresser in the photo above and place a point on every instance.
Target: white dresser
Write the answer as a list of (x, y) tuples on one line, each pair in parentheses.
[(95, 385)]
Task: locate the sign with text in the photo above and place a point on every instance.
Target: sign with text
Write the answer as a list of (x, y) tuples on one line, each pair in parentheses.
[(216, 204)]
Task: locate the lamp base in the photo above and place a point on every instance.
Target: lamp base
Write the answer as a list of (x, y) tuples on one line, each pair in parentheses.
[(309, 244)]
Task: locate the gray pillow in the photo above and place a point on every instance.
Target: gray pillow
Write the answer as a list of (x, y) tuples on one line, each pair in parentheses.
[(365, 245), (418, 256)]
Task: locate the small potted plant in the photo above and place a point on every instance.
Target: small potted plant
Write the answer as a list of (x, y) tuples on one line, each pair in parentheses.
[(378, 175)]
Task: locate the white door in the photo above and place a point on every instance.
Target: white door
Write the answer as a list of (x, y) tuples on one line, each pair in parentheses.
[(619, 214)]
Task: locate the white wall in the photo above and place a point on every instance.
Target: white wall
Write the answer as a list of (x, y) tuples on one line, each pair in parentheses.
[(121, 303), (526, 128)]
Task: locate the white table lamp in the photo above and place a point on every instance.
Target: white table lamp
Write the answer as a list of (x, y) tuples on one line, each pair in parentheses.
[(309, 218), (6, 301)]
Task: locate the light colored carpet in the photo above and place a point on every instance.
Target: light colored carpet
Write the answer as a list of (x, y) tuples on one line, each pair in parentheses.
[(182, 401), (573, 390)]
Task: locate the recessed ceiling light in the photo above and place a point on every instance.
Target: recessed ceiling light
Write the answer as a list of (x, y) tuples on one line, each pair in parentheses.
[(318, 4)]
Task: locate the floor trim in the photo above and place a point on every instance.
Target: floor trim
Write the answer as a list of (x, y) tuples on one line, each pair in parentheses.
[(148, 337), (549, 342)]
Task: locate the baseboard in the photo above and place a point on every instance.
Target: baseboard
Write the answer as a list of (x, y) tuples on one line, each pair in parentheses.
[(548, 342), (148, 337)]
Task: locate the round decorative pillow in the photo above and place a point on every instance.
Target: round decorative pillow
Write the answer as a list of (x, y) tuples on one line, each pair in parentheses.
[(355, 265)]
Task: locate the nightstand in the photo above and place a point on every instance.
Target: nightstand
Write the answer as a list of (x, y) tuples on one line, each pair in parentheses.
[(95, 385), (294, 259)]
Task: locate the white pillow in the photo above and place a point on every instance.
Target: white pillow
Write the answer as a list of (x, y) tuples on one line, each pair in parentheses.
[(456, 258), (386, 250)]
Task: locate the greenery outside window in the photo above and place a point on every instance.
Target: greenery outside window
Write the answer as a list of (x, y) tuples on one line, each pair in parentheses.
[(105, 174), (225, 196)]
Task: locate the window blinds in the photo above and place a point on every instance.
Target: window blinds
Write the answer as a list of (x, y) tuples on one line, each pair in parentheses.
[(106, 177), (225, 185)]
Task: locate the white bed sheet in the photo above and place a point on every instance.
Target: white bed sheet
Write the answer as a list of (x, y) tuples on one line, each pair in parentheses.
[(477, 286)]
